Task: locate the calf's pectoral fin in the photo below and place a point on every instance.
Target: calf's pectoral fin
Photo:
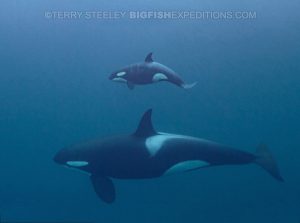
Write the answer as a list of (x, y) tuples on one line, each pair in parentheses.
[(104, 188), (130, 85)]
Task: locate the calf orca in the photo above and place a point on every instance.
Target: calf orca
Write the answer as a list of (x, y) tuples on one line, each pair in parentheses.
[(148, 72), (149, 154)]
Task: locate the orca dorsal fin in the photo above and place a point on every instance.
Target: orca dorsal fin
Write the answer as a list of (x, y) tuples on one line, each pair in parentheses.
[(148, 58), (145, 127)]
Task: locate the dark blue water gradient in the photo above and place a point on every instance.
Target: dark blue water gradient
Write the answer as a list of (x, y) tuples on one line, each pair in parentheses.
[(54, 91)]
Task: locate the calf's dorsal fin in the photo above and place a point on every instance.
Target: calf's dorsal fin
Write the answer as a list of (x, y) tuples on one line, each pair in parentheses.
[(148, 58)]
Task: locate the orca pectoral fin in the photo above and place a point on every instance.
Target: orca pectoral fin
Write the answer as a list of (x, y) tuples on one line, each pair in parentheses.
[(130, 85), (104, 188)]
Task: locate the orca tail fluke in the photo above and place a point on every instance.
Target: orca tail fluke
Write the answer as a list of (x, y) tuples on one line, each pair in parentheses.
[(267, 162), (189, 86)]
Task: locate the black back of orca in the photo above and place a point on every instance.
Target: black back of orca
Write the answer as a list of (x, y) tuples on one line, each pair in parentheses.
[(148, 72), (149, 154)]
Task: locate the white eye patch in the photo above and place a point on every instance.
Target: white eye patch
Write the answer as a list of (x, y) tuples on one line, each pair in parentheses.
[(120, 74)]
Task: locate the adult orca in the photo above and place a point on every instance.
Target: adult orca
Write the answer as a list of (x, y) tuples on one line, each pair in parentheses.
[(148, 72), (149, 154)]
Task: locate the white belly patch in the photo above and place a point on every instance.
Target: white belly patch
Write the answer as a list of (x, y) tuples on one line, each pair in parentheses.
[(120, 79), (77, 163), (159, 77), (185, 166)]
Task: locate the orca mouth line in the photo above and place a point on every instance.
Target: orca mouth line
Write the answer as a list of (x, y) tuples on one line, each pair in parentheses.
[(148, 72), (147, 153), (56, 159)]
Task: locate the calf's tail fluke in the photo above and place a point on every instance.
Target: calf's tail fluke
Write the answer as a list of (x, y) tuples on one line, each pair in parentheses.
[(267, 162), (188, 86)]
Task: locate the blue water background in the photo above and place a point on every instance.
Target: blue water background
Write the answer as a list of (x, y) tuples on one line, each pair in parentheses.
[(54, 91)]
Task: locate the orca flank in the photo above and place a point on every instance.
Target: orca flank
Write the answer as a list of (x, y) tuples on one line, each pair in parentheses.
[(147, 153), (148, 72)]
